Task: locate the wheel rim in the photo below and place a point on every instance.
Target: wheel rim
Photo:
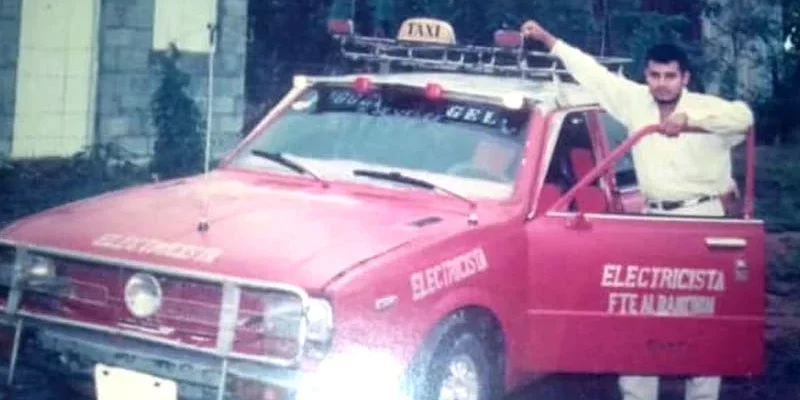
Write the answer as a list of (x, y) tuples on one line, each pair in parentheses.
[(461, 380)]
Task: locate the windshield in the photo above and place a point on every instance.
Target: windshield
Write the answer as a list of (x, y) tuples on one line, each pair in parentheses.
[(471, 148)]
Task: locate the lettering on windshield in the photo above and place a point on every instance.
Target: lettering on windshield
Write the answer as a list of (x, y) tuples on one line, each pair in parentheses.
[(471, 114), (374, 104), (662, 291), (448, 273)]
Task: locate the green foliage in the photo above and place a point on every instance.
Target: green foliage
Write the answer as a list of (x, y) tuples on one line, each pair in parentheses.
[(791, 13), (777, 119), (30, 186), (787, 96), (736, 27), (778, 193), (476, 21), (777, 185), (645, 29), (179, 146), (288, 37)]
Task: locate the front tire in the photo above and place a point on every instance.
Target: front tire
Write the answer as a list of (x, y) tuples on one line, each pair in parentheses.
[(462, 371), (462, 365)]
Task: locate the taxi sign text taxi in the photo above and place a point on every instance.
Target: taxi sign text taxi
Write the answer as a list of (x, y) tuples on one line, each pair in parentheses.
[(426, 30)]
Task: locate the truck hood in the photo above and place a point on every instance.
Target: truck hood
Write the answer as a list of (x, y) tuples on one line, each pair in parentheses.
[(298, 235)]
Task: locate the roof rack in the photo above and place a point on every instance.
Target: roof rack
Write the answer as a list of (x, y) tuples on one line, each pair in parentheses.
[(507, 58)]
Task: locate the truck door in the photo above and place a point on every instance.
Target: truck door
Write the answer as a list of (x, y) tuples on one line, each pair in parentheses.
[(620, 292)]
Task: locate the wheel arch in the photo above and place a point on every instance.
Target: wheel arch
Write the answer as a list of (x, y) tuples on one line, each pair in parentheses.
[(478, 319)]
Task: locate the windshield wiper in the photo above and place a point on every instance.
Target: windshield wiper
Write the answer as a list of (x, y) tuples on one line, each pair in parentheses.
[(395, 176), (293, 165)]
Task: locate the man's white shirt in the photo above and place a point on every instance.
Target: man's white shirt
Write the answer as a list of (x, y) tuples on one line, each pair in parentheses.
[(667, 168)]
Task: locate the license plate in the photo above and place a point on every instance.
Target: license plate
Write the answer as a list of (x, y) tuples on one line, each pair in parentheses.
[(112, 383)]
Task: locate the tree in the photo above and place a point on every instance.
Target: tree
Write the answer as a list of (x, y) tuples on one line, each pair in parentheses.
[(790, 89), (634, 32), (746, 60), (743, 34), (476, 21)]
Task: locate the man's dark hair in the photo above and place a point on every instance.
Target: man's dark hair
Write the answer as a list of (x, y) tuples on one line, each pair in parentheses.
[(667, 53)]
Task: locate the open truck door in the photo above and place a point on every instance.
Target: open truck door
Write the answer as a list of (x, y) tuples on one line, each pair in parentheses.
[(645, 294)]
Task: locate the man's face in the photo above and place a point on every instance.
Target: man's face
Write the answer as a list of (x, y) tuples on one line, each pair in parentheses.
[(666, 81)]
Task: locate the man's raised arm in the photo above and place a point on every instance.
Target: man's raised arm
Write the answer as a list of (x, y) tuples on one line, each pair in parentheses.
[(613, 91)]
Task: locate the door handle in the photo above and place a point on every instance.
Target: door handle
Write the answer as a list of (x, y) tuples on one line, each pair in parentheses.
[(726, 242)]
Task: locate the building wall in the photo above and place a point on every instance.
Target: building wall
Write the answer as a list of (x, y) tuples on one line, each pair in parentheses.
[(10, 11), (129, 75)]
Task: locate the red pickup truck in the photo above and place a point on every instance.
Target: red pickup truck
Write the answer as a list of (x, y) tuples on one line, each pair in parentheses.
[(449, 234)]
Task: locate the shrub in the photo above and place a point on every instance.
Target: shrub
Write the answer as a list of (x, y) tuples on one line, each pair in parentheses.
[(34, 185), (179, 143), (777, 185)]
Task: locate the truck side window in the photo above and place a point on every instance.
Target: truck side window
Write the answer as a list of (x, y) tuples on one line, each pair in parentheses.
[(573, 157), (617, 133), (573, 137)]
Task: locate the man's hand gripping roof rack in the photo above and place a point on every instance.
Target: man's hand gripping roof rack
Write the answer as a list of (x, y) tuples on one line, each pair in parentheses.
[(426, 43)]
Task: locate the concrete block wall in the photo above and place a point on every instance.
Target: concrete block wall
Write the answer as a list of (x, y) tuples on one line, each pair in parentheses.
[(229, 73), (124, 81), (10, 11), (128, 76)]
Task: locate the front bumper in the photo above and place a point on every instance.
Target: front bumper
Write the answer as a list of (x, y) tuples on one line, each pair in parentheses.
[(72, 353)]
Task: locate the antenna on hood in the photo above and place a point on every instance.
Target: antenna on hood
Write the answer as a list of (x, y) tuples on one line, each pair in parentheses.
[(203, 225)]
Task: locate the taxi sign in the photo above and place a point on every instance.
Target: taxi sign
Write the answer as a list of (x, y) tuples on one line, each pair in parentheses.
[(426, 30)]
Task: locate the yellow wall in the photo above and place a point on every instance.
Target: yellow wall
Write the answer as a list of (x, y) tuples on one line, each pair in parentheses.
[(56, 76), (184, 22)]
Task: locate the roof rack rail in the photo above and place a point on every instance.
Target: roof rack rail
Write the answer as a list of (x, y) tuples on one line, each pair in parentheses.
[(443, 54)]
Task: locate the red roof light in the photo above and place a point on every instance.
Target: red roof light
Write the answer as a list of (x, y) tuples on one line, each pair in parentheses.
[(434, 91), (362, 85), (507, 38), (340, 26)]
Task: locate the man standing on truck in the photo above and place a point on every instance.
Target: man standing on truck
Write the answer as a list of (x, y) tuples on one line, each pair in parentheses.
[(685, 174)]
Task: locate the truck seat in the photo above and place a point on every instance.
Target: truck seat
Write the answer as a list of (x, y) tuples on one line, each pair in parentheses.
[(550, 194), (582, 161)]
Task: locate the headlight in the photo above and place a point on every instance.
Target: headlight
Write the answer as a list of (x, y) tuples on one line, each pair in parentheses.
[(143, 295), (319, 316), (37, 266), (283, 316)]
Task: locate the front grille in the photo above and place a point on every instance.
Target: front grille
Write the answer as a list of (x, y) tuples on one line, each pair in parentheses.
[(93, 293), (90, 293)]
